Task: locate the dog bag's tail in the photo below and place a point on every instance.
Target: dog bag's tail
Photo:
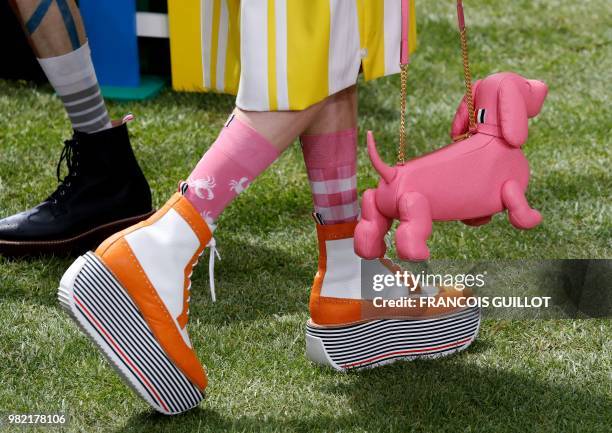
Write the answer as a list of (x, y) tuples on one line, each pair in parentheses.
[(386, 172)]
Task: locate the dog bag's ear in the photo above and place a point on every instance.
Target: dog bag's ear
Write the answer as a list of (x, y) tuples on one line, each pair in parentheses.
[(512, 113), (461, 120), (538, 91)]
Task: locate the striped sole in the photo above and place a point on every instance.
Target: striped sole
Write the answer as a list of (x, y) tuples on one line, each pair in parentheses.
[(105, 312), (380, 342)]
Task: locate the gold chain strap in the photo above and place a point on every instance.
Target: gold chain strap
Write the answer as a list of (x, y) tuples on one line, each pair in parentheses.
[(467, 75), (468, 78), (401, 148)]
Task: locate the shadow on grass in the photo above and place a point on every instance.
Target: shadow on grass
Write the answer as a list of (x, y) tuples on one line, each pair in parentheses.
[(428, 396)]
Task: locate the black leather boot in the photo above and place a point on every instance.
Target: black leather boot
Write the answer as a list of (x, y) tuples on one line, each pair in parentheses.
[(103, 192)]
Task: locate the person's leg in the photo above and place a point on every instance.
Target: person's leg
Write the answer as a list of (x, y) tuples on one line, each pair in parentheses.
[(329, 145), (341, 314), (55, 31), (132, 295), (104, 189), (248, 143)]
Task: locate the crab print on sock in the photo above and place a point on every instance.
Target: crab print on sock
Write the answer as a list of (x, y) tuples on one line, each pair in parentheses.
[(207, 216), (234, 160), (203, 187), (239, 185)]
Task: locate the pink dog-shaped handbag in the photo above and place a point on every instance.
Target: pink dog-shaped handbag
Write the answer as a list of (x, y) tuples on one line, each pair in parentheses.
[(471, 179)]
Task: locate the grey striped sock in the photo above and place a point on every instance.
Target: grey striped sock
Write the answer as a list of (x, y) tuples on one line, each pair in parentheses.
[(74, 79)]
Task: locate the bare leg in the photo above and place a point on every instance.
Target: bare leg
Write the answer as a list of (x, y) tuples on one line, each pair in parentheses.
[(337, 114), (329, 146), (280, 128), (53, 28), (55, 31), (248, 143)]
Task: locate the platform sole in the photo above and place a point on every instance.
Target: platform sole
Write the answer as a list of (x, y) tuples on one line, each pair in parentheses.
[(75, 244), (105, 312), (380, 342)]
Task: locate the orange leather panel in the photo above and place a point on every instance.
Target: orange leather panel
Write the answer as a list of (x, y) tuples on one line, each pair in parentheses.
[(338, 311), (331, 311), (120, 260), (197, 224)]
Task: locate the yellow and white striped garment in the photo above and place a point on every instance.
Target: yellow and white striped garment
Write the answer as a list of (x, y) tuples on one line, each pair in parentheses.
[(283, 54)]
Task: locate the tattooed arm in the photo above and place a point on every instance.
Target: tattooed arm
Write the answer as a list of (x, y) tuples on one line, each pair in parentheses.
[(53, 27)]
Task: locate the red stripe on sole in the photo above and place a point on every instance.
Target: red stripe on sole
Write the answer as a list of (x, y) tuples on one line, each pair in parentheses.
[(406, 352), (123, 355)]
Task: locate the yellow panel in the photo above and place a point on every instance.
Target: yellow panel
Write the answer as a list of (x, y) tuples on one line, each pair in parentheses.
[(374, 62), (214, 46), (232, 57), (361, 14), (307, 51), (273, 101), (412, 37), (371, 33), (185, 44)]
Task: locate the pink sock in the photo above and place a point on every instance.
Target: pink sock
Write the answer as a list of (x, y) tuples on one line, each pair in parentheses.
[(234, 160), (331, 163)]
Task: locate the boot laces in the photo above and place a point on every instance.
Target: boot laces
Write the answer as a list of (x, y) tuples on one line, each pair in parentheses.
[(214, 253), (212, 244), (69, 154)]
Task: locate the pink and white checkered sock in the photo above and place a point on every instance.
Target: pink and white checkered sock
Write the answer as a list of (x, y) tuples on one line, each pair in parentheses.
[(331, 163), (234, 160)]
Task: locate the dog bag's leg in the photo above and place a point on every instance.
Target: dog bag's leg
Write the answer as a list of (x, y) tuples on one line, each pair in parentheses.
[(415, 226), (520, 214), (371, 229)]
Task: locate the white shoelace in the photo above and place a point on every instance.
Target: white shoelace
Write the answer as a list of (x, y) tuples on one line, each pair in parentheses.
[(212, 244)]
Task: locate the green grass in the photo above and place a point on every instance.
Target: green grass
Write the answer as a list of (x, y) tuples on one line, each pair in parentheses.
[(541, 376)]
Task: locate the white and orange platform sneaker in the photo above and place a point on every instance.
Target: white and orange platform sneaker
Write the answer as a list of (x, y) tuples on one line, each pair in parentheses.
[(131, 298), (346, 332)]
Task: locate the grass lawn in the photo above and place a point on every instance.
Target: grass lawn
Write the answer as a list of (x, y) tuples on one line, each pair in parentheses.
[(541, 376)]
